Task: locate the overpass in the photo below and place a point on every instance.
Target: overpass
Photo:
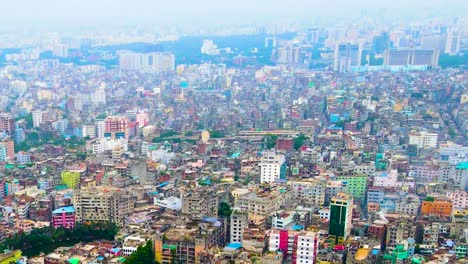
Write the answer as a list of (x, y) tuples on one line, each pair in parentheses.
[(248, 133)]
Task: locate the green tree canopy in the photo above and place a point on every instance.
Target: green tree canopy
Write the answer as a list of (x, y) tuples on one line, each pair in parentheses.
[(224, 210), (143, 254)]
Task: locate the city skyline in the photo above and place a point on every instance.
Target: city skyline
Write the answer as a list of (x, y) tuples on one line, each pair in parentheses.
[(74, 14)]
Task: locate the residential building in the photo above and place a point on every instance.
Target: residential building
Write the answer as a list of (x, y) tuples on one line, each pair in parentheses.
[(273, 167), (97, 204), (299, 246), (71, 179), (116, 127), (7, 123), (437, 206), (37, 118), (64, 217), (239, 221), (310, 193), (172, 203), (8, 257), (185, 245), (423, 139), (200, 203), (263, 203), (356, 185), (131, 244)]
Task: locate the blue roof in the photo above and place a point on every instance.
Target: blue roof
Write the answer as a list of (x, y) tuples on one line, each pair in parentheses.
[(297, 227), (66, 209), (210, 219), (234, 245), (163, 184)]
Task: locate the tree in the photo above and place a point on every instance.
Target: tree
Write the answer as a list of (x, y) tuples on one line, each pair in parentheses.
[(224, 210), (216, 134), (299, 141), (452, 133), (143, 254), (270, 141)]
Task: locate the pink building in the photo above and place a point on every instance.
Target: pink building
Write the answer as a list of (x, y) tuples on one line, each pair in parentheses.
[(64, 217), (459, 198)]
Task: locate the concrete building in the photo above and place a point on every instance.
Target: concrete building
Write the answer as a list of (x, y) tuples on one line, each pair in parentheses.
[(408, 206), (71, 179), (200, 203), (7, 123), (64, 217), (310, 192), (299, 246), (131, 244), (346, 56), (410, 57), (116, 127), (37, 118), (263, 204), (273, 167), (148, 62), (356, 185), (423, 139), (340, 217), (172, 203), (239, 221), (187, 244), (437, 206), (98, 204)]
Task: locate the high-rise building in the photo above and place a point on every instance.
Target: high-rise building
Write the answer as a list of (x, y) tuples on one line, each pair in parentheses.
[(88, 131), (100, 95), (452, 46), (423, 139), (7, 123), (356, 185), (434, 41), (200, 203), (37, 118), (116, 127), (102, 204), (410, 57), (340, 217), (347, 56), (239, 221), (154, 61), (273, 167), (301, 246), (7, 149), (100, 128), (381, 43), (209, 47)]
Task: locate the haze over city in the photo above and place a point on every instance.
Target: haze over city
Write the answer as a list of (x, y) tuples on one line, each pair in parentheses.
[(221, 132)]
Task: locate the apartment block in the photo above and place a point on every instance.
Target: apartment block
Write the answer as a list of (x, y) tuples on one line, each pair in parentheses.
[(97, 204)]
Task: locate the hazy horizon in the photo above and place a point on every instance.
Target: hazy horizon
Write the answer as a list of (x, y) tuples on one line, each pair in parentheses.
[(76, 13)]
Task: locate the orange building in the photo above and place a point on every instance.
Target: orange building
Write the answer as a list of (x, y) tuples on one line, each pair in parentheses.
[(440, 206)]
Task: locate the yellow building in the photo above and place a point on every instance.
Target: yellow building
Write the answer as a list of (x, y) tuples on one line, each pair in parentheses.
[(460, 212), (10, 257), (71, 179)]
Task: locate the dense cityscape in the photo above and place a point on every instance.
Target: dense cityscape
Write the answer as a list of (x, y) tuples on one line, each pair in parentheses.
[(280, 143)]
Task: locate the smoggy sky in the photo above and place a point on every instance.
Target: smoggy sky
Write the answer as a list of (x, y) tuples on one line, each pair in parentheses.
[(180, 12)]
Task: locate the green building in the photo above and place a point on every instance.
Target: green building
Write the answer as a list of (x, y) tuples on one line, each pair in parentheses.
[(341, 215), (71, 179), (356, 185)]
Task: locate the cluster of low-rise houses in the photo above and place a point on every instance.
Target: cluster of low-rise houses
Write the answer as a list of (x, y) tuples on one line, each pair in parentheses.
[(218, 164)]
